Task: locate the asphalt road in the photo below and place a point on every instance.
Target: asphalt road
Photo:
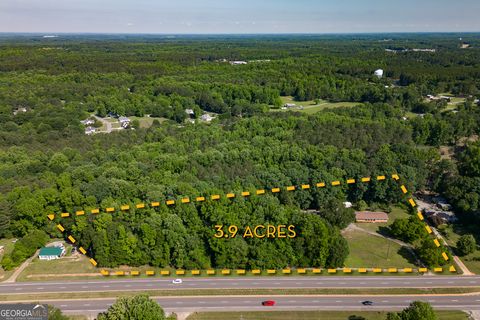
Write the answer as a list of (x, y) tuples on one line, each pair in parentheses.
[(142, 284), (253, 303)]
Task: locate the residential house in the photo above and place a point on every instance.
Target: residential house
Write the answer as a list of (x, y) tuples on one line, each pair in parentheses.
[(51, 253), (371, 217), (87, 122), (90, 130), (206, 117), (124, 122)]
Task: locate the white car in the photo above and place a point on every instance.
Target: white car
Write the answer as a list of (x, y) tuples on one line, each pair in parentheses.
[(177, 281)]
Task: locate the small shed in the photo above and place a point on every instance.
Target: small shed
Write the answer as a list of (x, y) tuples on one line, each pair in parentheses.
[(371, 217)]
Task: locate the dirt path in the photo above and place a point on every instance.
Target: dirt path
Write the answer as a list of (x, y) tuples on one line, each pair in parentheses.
[(20, 269)]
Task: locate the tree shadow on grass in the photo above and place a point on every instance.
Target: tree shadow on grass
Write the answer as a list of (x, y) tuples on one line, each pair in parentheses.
[(407, 254), (385, 231)]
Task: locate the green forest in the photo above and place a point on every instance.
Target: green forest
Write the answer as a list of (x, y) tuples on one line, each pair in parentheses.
[(49, 165)]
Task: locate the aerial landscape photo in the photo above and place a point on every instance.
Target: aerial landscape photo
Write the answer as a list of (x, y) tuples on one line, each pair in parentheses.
[(224, 160)]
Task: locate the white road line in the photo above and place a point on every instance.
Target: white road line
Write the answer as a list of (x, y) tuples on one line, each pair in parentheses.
[(63, 305), (454, 300), (384, 301), (106, 286), (39, 288)]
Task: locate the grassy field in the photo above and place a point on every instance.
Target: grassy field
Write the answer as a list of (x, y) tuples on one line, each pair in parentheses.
[(8, 247), (367, 250), (146, 122), (51, 270), (311, 106), (371, 251), (313, 315), (452, 233)]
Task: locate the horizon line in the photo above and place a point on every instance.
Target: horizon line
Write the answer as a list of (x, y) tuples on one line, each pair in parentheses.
[(232, 34)]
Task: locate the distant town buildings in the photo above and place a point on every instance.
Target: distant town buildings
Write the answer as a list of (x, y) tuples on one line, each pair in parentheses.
[(238, 62), (407, 50)]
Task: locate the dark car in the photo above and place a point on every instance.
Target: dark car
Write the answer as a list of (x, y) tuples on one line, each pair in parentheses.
[(268, 303), (367, 303)]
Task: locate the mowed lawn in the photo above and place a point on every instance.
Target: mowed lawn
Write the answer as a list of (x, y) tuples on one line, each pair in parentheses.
[(146, 122), (313, 315), (311, 106), (370, 251), (64, 268)]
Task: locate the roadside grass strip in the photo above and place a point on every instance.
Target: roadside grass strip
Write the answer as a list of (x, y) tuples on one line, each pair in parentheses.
[(255, 272)]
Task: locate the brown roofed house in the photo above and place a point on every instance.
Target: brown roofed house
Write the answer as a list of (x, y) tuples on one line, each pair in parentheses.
[(371, 217)]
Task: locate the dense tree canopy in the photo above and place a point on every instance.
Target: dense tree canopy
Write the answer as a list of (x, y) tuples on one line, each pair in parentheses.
[(48, 165)]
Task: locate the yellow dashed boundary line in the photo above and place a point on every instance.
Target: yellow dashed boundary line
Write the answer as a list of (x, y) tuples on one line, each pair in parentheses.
[(225, 272), (185, 200)]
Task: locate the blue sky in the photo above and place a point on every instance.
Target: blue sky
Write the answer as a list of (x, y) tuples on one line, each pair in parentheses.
[(235, 16)]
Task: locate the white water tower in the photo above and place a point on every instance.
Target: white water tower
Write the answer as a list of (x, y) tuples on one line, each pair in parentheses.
[(378, 73)]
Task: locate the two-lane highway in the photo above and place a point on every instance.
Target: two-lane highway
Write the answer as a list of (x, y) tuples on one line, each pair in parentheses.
[(142, 284)]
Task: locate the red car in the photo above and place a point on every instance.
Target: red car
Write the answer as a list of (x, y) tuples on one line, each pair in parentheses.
[(268, 303)]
